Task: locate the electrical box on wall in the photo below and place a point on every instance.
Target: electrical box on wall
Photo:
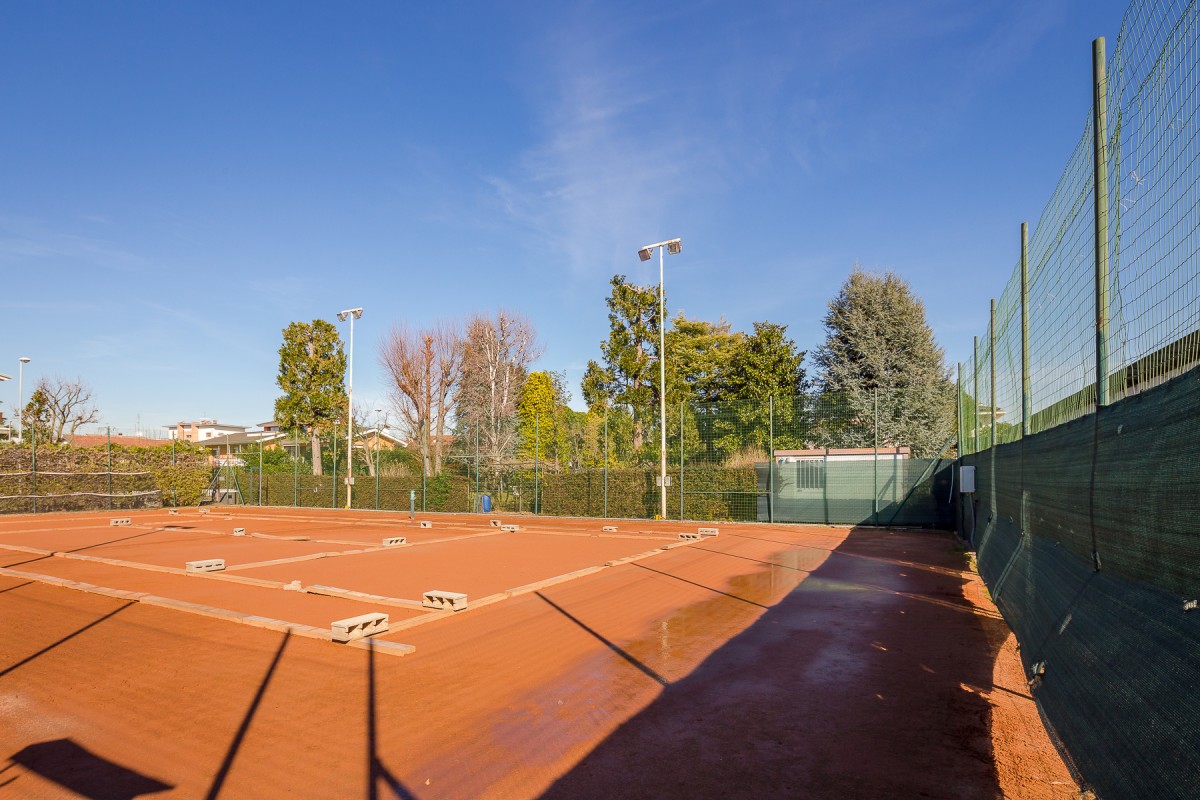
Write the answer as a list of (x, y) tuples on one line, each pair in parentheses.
[(967, 480)]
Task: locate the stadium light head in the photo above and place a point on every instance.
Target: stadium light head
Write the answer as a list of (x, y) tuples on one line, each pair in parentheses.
[(674, 246), (24, 359), (344, 315), (644, 254)]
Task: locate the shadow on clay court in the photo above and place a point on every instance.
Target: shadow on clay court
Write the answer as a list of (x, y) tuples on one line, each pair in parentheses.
[(81, 771), (63, 640), (376, 770), (850, 686)]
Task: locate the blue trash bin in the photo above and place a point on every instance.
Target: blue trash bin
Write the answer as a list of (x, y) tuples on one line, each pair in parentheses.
[(486, 502)]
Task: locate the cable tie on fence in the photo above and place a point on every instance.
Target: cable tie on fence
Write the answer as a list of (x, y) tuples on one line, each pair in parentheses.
[(1037, 671), (1189, 605), (1096, 560)]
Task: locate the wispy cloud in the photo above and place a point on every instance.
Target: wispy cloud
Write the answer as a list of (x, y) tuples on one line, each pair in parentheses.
[(23, 239)]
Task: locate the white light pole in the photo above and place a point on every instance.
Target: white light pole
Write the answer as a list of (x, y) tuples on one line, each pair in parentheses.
[(672, 246), (21, 397), (352, 314)]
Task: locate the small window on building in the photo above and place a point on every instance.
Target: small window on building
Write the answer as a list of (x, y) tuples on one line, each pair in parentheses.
[(810, 474)]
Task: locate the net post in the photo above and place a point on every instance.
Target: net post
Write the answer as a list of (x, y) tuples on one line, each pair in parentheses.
[(1026, 391), (1100, 197)]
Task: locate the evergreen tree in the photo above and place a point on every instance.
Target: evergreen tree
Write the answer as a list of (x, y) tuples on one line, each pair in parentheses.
[(629, 375), (312, 364), (542, 419), (879, 349), (763, 387)]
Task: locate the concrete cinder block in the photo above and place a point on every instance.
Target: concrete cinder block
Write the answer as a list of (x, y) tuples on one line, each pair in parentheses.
[(344, 630), (201, 510), (294, 586), (207, 565), (393, 541), (239, 531), (708, 531), (426, 523), (436, 598), (609, 529), (119, 522), (171, 512), (510, 528), (690, 537)]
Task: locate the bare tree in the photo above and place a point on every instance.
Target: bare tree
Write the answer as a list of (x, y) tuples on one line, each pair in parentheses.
[(67, 406), (424, 367), (497, 353)]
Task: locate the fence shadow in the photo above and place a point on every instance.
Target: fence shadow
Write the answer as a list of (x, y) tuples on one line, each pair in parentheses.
[(853, 685), (81, 771)]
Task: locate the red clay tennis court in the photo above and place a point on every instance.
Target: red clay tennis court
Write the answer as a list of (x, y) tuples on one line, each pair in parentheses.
[(765, 661)]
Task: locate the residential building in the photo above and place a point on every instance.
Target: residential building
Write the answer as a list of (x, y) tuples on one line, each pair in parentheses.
[(201, 430)]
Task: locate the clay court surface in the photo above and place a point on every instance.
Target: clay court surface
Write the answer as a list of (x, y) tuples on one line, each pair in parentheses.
[(768, 661)]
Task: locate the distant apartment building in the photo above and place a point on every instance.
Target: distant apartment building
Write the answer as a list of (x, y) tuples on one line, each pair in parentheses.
[(201, 430)]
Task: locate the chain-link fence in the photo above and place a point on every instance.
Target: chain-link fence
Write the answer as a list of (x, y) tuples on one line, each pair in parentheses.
[(877, 458)]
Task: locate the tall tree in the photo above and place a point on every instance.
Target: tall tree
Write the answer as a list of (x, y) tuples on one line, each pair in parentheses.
[(497, 352), (628, 376), (764, 385), (312, 367), (425, 367), (879, 349), (62, 406), (699, 357), (544, 419)]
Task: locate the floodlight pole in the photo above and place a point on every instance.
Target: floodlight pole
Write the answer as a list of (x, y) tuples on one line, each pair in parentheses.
[(353, 314), (675, 246)]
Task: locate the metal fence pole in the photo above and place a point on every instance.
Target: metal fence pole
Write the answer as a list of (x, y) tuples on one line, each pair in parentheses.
[(108, 449), (875, 490), (378, 444), (537, 447), (1026, 391), (606, 459), (33, 466), (961, 451), (476, 505), (333, 500), (681, 404), (771, 458), (260, 472), (975, 394), (296, 469), (174, 479), (992, 361), (1100, 186)]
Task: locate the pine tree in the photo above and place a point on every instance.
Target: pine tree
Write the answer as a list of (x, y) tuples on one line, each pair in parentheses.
[(880, 349)]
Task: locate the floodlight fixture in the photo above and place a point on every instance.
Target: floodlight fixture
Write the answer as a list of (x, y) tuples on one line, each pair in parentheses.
[(644, 253), (344, 315), (674, 247)]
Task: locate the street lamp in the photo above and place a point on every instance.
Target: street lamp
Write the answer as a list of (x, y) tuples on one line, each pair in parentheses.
[(21, 397), (352, 314), (672, 246)]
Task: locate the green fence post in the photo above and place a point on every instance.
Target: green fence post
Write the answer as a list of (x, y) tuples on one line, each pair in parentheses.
[(606, 459), (771, 458), (174, 479), (975, 394), (260, 472), (961, 451), (108, 450), (537, 446), (1026, 392), (333, 500), (296, 468), (681, 402), (1100, 186), (875, 490), (378, 443), (33, 466), (992, 360), (476, 505)]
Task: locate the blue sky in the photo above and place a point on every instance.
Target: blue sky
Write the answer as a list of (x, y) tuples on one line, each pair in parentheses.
[(179, 181)]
